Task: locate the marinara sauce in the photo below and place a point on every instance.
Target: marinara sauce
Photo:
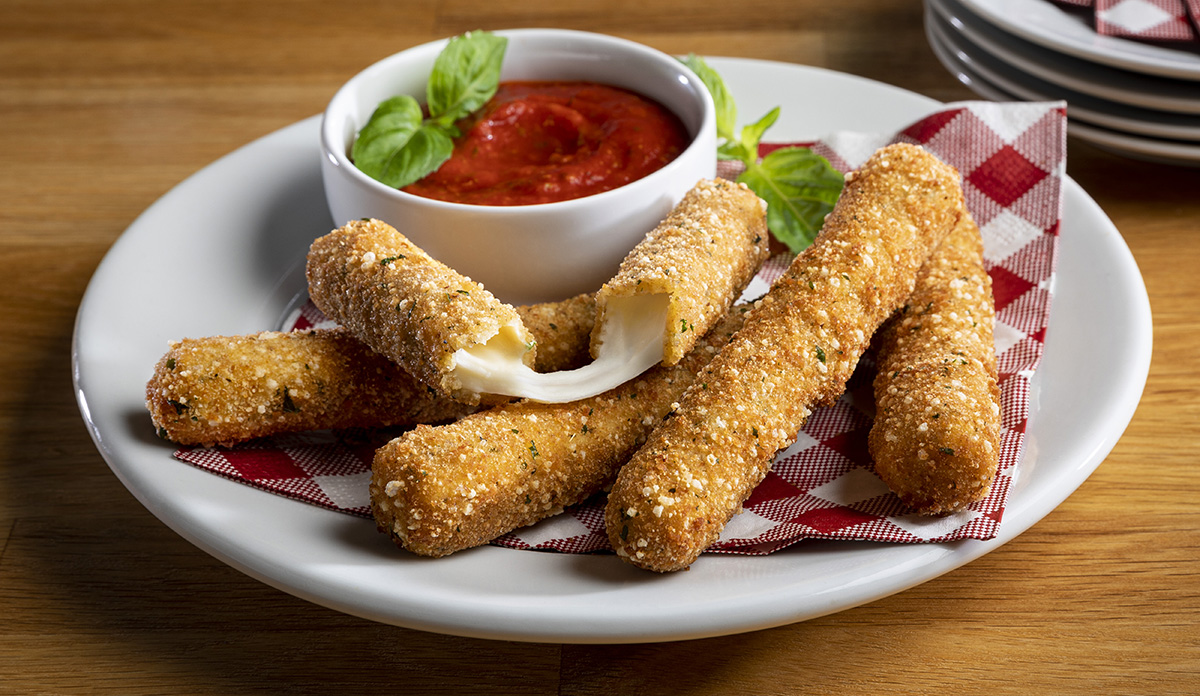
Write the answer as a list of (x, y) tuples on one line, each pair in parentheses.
[(540, 142)]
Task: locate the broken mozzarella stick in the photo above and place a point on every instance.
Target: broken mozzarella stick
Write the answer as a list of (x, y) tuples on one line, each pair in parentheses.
[(679, 280), (411, 308), (797, 348), (223, 390), (670, 290), (936, 435), (687, 273), (437, 490)]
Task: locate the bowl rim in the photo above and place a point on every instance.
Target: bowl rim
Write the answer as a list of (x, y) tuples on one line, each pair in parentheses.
[(333, 151)]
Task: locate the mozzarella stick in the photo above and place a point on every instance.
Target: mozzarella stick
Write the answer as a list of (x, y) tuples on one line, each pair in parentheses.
[(797, 349), (406, 305), (437, 490), (936, 435), (698, 260), (562, 331), (228, 389), (224, 390)]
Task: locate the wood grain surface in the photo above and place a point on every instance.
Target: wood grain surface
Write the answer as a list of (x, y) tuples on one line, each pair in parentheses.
[(104, 106)]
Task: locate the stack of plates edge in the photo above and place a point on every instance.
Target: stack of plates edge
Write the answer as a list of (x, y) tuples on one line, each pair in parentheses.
[(1137, 99)]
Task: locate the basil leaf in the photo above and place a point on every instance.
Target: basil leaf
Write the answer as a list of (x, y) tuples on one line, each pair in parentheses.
[(725, 106), (753, 133), (734, 150), (800, 188), (428, 148), (385, 135), (465, 75)]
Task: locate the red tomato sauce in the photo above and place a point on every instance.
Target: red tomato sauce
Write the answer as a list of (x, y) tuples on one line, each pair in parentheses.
[(540, 142)]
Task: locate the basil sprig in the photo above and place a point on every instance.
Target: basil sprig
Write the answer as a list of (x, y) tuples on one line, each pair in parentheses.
[(799, 186), (399, 144)]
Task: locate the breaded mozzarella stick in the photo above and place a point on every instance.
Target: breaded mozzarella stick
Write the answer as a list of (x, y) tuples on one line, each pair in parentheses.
[(437, 490), (562, 331), (669, 290), (697, 262), (229, 389), (936, 436), (406, 305), (797, 349)]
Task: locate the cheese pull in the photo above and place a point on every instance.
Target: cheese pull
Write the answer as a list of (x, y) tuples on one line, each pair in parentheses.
[(633, 343), (459, 339), (669, 291)]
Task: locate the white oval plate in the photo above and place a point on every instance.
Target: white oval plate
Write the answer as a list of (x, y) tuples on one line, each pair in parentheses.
[(220, 254), (1045, 24), (1146, 92), (992, 82)]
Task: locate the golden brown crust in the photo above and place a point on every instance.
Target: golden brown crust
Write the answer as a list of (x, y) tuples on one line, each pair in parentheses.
[(936, 436), (797, 349), (404, 304), (229, 389), (702, 257), (562, 331), (437, 490)]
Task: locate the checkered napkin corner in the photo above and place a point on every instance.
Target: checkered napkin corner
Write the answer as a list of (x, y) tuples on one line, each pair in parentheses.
[(325, 469), (1011, 157), (1147, 20), (1143, 20)]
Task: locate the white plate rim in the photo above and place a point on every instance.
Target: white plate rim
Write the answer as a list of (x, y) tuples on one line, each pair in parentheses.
[(342, 563), (1042, 23)]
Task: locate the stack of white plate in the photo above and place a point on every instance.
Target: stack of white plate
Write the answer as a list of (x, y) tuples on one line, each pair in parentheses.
[(1138, 99)]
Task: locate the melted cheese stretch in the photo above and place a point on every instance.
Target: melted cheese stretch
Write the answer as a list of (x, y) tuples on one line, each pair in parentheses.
[(631, 342)]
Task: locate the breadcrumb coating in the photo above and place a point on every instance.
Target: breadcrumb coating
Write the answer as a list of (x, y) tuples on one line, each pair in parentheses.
[(797, 349), (406, 305), (936, 435), (702, 257), (229, 389), (437, 490), (562, 331)]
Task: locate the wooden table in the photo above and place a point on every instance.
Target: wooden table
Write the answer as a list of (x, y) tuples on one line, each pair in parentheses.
[(106, 106)]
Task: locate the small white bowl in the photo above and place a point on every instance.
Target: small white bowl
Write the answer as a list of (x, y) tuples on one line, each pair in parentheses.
[(529, 253)]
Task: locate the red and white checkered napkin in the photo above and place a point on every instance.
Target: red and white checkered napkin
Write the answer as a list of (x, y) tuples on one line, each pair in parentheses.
[(1012, 158), (1145, 20)]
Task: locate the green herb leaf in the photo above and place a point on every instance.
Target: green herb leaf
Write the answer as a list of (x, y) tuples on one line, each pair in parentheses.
[(379, 149), (398, 145), (753, 133), (725, 106), (421, 156), (800, 188), (465, 76)]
